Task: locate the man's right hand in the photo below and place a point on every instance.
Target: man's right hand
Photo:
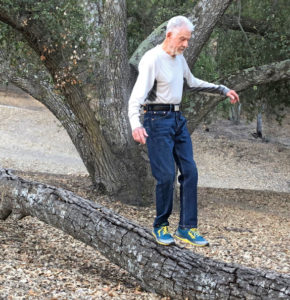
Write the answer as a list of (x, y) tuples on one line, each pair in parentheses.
[(139, 135)]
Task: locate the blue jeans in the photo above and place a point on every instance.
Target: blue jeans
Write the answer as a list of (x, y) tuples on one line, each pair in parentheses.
[(168, 143)]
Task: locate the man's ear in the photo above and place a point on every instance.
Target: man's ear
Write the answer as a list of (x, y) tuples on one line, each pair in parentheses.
[(169, 34)]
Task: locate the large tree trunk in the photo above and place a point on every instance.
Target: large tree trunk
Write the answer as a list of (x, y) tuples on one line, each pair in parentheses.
[(169, 271), (95, 106)]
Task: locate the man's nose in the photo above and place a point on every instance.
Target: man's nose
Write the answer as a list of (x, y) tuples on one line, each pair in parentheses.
[(185, 43)]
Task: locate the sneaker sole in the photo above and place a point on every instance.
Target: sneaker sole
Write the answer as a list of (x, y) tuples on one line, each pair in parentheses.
[(164, 244), (189, 242)]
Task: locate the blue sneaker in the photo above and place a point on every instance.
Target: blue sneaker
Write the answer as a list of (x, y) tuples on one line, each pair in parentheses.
[(191, 236), (162, 235)]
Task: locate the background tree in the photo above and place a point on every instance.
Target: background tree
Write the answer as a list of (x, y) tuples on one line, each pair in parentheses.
[(73, 57)]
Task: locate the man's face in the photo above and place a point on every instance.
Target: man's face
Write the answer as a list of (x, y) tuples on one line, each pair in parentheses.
[(178, 40)]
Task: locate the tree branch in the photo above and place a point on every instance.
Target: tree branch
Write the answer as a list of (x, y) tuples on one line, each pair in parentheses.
[(30, 30), (240, 25), (259, 75), (169, 271), (59, 53), (44, 93), (248, 24), (198, 106)]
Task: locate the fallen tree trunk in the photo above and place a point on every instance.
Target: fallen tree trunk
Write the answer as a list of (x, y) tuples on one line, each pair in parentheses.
[(169, 271)]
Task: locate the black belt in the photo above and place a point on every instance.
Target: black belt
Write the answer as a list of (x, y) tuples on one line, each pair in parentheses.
[(160, 107)]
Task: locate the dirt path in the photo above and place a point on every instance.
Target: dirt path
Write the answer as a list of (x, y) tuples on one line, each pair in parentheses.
[(32, 139), (228, 156)]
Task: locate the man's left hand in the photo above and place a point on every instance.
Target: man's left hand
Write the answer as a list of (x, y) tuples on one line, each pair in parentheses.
[(233, 96)]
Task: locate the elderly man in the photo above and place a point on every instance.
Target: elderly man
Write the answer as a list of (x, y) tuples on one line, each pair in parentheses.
[(163, 72)]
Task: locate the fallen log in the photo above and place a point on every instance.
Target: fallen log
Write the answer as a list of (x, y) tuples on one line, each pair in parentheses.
[(169, 271)]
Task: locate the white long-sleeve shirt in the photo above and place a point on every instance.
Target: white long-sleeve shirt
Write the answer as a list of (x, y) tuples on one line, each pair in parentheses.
[(160, 81)]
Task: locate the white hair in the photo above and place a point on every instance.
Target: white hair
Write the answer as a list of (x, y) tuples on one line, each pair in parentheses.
[(178, 22)]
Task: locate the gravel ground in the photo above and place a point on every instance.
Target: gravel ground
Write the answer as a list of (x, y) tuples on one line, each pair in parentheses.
[(244, 207)]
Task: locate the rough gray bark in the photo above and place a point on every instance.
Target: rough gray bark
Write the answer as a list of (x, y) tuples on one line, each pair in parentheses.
[(259, 75), (169, 271)]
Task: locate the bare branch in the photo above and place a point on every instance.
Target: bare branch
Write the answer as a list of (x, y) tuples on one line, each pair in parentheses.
[(200, 105), (259, 75), (248, 24), (240, 25)]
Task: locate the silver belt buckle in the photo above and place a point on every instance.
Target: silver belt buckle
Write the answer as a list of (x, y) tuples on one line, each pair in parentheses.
[(176, 107)]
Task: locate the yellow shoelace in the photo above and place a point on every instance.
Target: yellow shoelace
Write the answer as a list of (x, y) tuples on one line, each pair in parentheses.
[(163, 229), (193, 233)]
